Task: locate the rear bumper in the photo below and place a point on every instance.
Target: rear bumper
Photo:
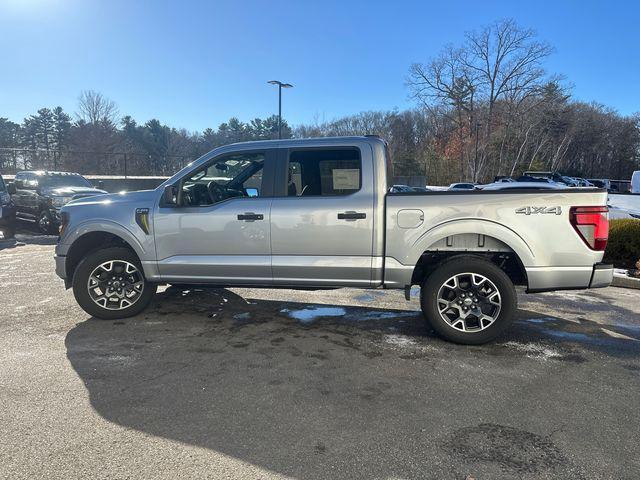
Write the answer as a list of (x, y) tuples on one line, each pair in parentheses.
[(602, 275), (545, 279)]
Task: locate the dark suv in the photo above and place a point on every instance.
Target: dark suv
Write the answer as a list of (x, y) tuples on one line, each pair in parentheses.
[(40, 195), (7, 210)]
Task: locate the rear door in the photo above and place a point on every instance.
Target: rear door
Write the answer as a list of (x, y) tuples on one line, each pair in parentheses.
[(322, 221)]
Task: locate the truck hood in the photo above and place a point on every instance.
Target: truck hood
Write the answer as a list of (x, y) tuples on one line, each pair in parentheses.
[(74, 191), (142, 197)]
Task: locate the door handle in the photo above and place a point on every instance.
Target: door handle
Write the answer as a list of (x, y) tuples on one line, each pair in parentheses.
[(250, 216), (351, 216)]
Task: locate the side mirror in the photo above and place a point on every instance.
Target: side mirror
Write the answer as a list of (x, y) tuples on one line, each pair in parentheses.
[(170, 196), (252, 192), (11, 188), (100, 185)]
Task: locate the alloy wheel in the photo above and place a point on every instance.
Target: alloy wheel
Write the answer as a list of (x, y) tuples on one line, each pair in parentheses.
[(469, 302), (115, 285)]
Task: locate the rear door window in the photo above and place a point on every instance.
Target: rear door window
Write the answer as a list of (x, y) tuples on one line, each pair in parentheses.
[(324, 172)]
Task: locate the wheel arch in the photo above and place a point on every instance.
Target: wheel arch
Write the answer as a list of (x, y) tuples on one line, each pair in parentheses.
[(90, 241), (479, 238)]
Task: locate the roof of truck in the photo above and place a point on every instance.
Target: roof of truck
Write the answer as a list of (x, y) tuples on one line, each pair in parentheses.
[(317, 140)]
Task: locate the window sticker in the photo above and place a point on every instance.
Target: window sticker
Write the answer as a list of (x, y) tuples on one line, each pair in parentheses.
[(346, 179)]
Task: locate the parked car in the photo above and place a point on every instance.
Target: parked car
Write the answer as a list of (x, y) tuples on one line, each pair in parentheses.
[(635, 182), (532, 179), (502, 178), (463, 186), (41, 194), (534, 176), (601, 183), (582, 182), (401, 188), (332, 224), (7, 210), (523, 185)]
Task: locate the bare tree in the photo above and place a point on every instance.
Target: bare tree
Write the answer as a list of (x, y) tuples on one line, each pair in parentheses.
[(447, 80), (95, 108)]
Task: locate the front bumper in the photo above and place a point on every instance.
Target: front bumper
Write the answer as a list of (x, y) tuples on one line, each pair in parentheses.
[(61, 269), (602, 275)]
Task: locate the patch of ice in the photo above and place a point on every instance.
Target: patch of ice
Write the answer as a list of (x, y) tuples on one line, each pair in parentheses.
[(377, 315), (242, 316), (539, 320), (311, 314)]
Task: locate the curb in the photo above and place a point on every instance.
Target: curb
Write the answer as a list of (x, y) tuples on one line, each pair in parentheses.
[(621, 280)]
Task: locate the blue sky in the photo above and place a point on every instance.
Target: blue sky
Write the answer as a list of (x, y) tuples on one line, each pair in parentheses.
[(194, 64)]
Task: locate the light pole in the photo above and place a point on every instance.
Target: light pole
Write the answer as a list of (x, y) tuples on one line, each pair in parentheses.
[(280, 87), (478, 125)]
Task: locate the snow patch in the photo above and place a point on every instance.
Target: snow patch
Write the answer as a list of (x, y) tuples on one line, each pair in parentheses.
[(534, 350), (400, 340), (311, 314)]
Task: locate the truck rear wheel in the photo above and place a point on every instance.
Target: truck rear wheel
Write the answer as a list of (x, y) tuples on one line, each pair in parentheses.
[(468, 300), (110, 284)]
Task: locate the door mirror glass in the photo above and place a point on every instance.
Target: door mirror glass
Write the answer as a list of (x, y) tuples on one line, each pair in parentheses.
[(170, 196), (11, 188), (252, 192)]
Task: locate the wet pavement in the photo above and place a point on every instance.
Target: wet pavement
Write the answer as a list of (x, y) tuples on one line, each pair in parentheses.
[(237, 383)]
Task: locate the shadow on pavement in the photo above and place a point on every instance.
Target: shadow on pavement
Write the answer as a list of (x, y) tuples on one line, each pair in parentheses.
[(328, 391)]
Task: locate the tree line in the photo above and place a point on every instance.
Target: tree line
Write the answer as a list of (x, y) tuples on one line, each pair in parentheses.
[(484, 108)]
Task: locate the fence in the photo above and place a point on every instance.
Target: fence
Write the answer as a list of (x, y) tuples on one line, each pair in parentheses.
[(125, 164)]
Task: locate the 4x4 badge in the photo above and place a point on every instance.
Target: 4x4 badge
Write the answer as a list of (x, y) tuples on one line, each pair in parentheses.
[(536, 210)]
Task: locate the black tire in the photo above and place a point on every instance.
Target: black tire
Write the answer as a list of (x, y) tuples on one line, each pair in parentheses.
[(89, 264), (46, 224), (476, 331)]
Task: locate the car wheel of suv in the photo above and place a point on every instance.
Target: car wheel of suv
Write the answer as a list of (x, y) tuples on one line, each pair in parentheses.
[(110, 284), (468, 300), (46, 223)]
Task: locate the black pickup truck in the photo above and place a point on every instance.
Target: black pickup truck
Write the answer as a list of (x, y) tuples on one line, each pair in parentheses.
[(40, 195)]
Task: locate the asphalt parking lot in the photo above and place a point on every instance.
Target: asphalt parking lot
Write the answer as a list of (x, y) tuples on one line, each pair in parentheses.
[(234, 383)]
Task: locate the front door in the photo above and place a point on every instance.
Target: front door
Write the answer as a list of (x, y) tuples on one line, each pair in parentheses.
[(219, 231)]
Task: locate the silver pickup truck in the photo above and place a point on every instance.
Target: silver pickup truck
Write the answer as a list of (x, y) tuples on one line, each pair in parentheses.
[(317, 213)]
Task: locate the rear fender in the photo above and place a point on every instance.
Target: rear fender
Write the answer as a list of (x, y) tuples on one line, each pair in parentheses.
[(475, 226)]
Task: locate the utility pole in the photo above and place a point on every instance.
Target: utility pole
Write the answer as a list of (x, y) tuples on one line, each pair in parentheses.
[(280, 87), (475, 173)]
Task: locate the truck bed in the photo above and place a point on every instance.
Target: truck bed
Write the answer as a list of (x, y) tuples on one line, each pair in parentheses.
[(532, 224)]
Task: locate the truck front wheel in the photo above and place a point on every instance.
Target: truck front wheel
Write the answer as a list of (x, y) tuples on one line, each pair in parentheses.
[(468, 300), (110, 284)]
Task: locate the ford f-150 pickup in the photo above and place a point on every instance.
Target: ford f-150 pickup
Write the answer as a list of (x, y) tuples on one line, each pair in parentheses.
[(318, 213)]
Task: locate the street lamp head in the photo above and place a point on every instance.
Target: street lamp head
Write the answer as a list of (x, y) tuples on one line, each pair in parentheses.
[(282, 85)]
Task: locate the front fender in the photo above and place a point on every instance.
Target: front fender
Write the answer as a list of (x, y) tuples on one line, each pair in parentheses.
[(106, 226)]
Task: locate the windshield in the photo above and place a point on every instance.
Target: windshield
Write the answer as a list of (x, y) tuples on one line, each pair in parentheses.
[(64, 181), (224, 171)]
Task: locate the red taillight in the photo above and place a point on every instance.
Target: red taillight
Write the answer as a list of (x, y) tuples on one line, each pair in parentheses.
[(592, 224)]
